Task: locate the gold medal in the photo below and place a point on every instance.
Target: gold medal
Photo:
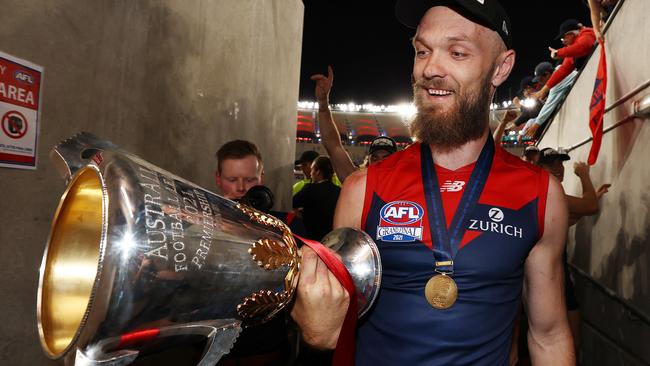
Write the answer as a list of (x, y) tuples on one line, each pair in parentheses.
[(441, 291)]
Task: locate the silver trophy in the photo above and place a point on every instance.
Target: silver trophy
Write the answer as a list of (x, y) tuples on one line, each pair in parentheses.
[(137, 256)]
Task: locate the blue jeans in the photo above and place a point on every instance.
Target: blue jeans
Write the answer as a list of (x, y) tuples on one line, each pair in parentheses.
[(555, 96)]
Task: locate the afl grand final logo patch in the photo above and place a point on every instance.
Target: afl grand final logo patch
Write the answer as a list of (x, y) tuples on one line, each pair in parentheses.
[(400, 221)]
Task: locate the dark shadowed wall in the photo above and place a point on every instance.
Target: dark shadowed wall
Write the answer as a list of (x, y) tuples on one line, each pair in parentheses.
[(168, 80)]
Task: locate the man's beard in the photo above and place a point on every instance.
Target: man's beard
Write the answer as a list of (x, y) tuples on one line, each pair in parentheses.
[(466, 121)]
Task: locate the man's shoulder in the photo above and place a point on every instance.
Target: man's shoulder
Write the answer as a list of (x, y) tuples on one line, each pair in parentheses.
[(515, 163), (356, 178), (586, 30)]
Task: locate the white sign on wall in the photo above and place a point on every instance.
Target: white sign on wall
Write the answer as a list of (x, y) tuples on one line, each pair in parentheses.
[(20, 101)]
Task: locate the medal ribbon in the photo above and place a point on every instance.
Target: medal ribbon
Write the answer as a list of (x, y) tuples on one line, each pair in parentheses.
[(445, 242)]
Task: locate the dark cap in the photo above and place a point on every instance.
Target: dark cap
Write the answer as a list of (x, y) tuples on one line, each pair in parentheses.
[(526, 82), (488, 13), (382, 143), (541, 69), (548, 155), (568, 26), (307, 156), (531, 148)]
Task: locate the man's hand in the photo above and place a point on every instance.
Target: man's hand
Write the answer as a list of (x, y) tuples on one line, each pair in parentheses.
[(602, 190), (553, 53), (531, 130), (581, 169), (323, 86), (599, 35), (321, 303), (541, 94)]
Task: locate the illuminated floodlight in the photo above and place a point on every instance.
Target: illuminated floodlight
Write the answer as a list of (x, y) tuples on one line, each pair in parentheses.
[(529, 102), (407, 111), (505, 104)]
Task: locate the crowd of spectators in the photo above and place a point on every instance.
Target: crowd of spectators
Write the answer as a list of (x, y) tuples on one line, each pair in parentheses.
[(541, 93)]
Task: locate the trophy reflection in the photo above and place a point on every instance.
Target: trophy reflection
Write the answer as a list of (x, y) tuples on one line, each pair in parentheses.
[(138, 257)]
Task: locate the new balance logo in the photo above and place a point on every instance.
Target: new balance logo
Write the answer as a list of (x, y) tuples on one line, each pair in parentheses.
[(452, 186)]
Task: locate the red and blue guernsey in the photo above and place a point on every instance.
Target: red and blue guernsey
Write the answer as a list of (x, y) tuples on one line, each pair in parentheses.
[(500, 229)]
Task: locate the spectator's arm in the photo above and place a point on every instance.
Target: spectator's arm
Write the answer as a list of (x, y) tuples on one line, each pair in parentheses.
[(568, 65), (580, 48), (595, 9), (498, 132), (341, 161), (588, 203)]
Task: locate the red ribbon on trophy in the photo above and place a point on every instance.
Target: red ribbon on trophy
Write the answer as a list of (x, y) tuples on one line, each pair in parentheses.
[(346, 344)]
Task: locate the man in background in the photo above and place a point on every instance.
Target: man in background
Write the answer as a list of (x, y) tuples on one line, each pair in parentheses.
[(239, 168)]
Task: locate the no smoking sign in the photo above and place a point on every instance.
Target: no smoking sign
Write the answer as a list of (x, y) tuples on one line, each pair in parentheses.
[(14, 124)]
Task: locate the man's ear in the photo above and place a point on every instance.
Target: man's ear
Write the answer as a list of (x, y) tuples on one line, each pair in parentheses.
[(505, 62), (262, 178)]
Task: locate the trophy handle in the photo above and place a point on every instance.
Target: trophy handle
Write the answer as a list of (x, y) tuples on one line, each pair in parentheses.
[(117, 358), (221, 334), (76, 152)]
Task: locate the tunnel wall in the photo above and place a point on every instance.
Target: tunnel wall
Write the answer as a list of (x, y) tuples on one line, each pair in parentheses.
[(168, 80), (610, 252)]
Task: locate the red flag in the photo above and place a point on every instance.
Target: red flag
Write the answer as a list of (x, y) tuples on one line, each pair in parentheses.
[(597, 106)]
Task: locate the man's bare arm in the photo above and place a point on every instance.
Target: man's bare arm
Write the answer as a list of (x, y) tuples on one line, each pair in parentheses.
[(549, 335), (341, 161), (594, 13), (321, 302), (588, 203)]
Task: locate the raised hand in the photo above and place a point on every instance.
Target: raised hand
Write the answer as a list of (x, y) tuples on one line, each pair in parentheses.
[(323, 86), (580, 168)]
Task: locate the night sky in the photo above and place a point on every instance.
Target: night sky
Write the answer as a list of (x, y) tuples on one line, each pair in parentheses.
[(372, 56)]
